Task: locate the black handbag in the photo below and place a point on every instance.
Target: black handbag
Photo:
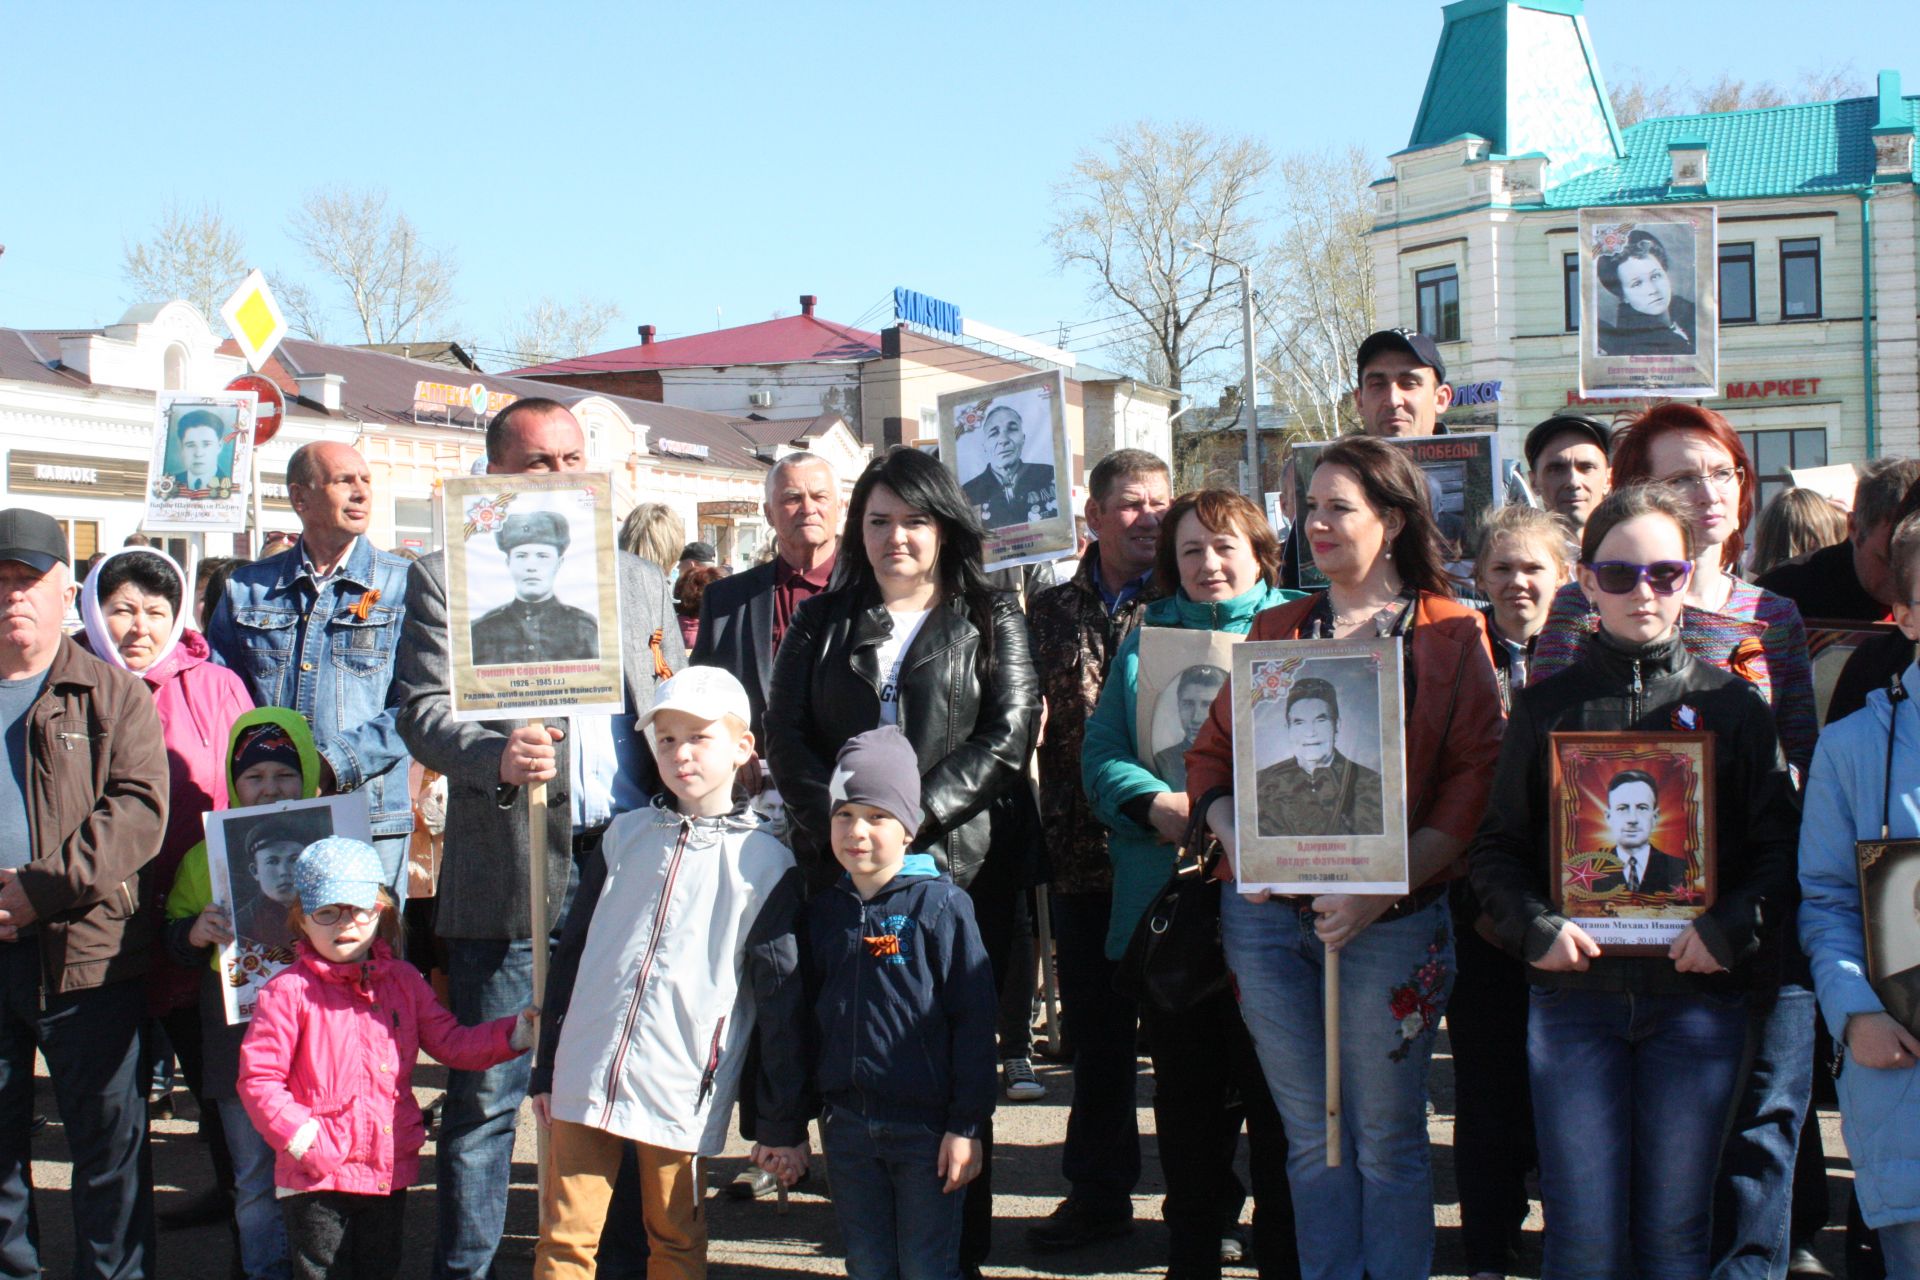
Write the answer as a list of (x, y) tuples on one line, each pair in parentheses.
[(1174, 961)]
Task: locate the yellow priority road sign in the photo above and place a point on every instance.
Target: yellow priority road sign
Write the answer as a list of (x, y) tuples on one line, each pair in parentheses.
[(254, 319)]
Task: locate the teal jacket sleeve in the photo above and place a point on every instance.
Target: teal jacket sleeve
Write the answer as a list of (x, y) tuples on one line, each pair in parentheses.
[(1109, 768)]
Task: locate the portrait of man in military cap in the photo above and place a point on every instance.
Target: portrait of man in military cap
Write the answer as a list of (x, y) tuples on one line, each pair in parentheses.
[(534, 626)]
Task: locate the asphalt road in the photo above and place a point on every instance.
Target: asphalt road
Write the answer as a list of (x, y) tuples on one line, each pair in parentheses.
[(756, 1238)]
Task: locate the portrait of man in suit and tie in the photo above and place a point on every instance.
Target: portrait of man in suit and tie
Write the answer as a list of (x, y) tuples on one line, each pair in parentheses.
[(199, 444), (1010, 490), (1638, 866)]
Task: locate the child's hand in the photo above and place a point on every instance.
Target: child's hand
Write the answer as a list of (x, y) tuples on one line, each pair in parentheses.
[(1690, 955), (1571, 951), (526, 1029), (1876, 1040), (959, 1161), (542, 1109), (210, 927), (303, 1138)]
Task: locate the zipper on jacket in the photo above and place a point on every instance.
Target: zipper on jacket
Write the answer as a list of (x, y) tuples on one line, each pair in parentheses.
[(68, 739), (1637, 687), (713, 1066), (646, 965)]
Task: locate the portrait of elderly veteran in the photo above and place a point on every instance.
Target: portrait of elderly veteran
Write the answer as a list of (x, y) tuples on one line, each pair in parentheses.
[(1651, 319), (1317, 791), (534, 626), (1193, 694), (595, 766), (1633, 811), (1010, 490), (198, 439)]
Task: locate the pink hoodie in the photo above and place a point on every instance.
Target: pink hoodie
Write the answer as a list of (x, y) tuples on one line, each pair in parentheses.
[(337, 1043)]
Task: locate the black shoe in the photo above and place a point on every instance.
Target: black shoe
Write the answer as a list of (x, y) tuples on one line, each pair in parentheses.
[(1803, 1263), (430, 1116), (1074, 1224), (202, 1210)]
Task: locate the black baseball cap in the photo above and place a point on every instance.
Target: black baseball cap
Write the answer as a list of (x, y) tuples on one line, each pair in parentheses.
[(1561, 424), (1417, 345), (33, 538), (699, 553)]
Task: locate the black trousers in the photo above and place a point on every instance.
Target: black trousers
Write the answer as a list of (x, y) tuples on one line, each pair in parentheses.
[(325, 1226), (184, 1032), (1101, 1154), (1207, 1082), (994, 909)]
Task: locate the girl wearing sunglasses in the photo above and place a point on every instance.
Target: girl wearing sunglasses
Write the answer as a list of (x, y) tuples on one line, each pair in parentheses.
[(1635, 1060)]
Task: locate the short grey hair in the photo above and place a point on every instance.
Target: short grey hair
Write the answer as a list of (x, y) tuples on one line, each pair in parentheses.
[(797, 459)]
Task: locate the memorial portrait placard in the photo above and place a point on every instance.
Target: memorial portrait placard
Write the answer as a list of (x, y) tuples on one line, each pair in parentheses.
[(1650, 324), (1319, 766), (1006, 443), (1890, 913), (533, 595), (1631, 833), (1181, 672), (1465, 482), (201, 463)]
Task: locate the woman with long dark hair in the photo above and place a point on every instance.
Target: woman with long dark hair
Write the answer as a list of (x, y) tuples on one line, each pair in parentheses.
[(912, 634), (1372, 532)]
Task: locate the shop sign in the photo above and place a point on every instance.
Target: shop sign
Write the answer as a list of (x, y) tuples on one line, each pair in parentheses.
[(476, 399), (928, 313), (1477, 393), (679, 448), (1768, 389), (273, 491), (32, 472)]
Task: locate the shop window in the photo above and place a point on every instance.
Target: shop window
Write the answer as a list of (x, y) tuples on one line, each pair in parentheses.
[(1800, 279), (1437, 298), (1570, 289), (83, 540), (413, 525), (1736, 284), (1773, 453)]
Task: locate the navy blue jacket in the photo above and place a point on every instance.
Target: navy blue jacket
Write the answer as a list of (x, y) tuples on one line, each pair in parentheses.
[(903, 1002)]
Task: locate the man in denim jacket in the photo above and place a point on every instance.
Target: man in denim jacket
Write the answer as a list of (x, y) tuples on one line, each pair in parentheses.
[(315, 630)]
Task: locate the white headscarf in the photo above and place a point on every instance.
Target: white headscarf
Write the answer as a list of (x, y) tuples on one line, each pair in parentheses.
[(103, 646)]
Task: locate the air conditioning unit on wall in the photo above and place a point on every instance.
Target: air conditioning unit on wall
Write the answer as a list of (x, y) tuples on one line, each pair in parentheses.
[(760, 399)]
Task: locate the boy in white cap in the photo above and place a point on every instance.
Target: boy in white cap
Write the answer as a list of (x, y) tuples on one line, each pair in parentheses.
[(680, 938)]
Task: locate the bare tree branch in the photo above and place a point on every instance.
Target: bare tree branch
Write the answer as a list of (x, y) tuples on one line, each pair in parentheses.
[(393, 283), (548, 330), (193, 254)]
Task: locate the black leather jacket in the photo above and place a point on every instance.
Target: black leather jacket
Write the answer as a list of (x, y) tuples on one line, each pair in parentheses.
[(1756, 814), (973, 741)]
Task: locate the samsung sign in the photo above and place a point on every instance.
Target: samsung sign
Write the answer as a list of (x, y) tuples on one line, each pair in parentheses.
[(928, 313)]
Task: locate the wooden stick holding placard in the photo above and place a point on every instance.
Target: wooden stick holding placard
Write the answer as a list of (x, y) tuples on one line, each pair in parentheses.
[(1331, 998), (537, 895)]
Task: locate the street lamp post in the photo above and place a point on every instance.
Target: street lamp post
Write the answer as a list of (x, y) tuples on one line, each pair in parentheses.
[(1251, 391)]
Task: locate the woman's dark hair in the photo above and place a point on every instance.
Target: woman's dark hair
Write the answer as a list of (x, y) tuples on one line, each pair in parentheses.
[(1633, 459), (214, 572), (691, 586), (1631, 503), (1392, 483), (1222, 511), (1640, 244), (146, 571), (925, 485)]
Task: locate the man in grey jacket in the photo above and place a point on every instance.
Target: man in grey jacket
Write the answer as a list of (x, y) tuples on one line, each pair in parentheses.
[(595, 766)]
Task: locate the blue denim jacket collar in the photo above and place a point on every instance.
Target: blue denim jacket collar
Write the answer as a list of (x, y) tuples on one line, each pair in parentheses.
[(358, 568)]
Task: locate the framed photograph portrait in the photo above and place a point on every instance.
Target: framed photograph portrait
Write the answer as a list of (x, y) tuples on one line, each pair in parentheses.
[(1890, 910), (1830, 646), (202, 462), (1632, 858), (1319, 766), (250, 858), (1651, 319), (1007, 445), (1465, 481), (1180, 675), (533, 595)]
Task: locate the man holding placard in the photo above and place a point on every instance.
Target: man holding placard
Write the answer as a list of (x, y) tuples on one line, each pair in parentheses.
[(594, 769)]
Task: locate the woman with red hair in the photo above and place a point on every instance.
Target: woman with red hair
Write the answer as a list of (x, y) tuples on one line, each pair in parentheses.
[(1758, 635)]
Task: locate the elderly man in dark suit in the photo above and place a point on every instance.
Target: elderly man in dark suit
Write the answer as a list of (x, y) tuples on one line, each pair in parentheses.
[(744, 618), (598, 766), (1011, 491)]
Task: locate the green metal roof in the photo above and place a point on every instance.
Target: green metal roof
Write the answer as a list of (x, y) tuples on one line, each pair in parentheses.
[(1768, 151)]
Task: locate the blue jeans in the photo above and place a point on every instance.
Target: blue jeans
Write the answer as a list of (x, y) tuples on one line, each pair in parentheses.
[(1101, 1156), (1631, 1095), (1753, 1199), (896, 1221), (256, 1214), (1373, 1214), (1901, 1246)]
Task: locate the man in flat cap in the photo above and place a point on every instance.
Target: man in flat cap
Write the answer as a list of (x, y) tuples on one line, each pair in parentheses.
[(1010, 491), (535, 627)]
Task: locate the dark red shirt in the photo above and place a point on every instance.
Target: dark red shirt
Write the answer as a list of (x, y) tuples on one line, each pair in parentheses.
[(791, 589)]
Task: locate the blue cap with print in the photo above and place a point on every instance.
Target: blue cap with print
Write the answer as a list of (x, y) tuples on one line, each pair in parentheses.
[(340, 870)]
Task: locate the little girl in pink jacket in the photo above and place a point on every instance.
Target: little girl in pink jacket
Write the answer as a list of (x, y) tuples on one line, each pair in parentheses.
[(327, 1066)]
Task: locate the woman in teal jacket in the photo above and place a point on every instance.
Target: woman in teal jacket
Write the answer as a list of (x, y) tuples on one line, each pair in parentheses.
[(1219, 562)]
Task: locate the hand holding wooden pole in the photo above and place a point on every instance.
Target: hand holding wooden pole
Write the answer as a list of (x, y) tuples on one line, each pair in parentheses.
[(1331, 998)]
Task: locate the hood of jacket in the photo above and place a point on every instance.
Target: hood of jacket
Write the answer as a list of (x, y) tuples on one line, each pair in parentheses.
[(296, 728), (914, 867), (1234, 614), (96, 626)]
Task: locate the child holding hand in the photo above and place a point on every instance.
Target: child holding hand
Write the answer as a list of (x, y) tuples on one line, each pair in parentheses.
[(326, 1071)]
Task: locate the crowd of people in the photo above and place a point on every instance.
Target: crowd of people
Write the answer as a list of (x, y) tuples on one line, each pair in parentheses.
[(792, 879)]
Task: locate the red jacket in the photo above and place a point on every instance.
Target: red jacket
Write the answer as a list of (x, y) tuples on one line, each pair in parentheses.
[(337, 1043), (1453, 728)]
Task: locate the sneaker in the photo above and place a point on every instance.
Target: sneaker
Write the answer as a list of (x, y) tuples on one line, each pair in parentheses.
[(1073, 1224), (1016, 1076), (1233, 1247)]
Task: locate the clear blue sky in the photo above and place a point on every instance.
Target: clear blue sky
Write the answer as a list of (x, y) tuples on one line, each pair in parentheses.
[(678, 158)]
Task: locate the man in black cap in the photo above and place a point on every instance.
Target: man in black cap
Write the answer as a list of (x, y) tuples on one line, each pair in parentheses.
[(695, 555), (535, 627), (1403, 387), (1567, 459), (83, 805)]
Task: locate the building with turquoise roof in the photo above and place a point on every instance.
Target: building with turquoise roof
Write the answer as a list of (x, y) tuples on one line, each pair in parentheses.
[(1474, 238)]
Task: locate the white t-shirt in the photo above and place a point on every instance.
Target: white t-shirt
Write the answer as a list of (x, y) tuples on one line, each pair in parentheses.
[(893, 653)]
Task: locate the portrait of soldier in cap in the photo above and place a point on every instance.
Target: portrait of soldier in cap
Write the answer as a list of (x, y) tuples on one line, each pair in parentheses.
[(534, 626), (1010, 490)]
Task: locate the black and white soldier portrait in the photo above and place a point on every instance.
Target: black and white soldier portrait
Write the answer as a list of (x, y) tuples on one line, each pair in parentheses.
[(536, 625)]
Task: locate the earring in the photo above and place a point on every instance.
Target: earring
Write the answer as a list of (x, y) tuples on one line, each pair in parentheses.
[(1389, 553)]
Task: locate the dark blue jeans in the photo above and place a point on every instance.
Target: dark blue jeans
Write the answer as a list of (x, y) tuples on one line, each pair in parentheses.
[(92, 1043), (896, 1221), (1753, 1201), (1631, 1095), (1101, 1156)]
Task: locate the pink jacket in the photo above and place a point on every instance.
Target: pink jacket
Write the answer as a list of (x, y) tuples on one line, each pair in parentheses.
[(337, 1043)]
